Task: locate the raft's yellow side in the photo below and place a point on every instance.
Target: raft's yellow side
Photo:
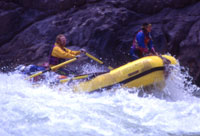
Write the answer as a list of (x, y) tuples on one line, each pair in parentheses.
[(142, 72)]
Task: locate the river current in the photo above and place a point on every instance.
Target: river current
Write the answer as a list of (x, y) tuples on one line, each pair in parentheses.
[(57, 111)]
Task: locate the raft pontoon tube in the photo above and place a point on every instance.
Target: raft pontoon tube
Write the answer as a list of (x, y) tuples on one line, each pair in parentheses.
[(142, 72)]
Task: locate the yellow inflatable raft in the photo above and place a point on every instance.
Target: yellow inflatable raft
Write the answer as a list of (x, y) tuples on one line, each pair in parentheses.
[(142, 72)]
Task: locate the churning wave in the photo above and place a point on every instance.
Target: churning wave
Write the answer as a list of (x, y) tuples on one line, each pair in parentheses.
[(27, 110)]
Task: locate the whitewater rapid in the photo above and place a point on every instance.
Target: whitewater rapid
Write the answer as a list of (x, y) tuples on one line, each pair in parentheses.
[(57, 111)]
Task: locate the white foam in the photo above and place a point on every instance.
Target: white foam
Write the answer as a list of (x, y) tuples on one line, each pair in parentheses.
[(44, 110)]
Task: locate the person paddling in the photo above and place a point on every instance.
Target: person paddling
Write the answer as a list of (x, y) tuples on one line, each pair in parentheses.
[(143, 43), (59, 53)]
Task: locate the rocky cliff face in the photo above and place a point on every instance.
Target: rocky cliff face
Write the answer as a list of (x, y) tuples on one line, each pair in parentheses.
[(106, 27)]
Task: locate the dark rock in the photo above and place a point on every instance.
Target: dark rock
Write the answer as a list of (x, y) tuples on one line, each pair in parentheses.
[(105, 27)]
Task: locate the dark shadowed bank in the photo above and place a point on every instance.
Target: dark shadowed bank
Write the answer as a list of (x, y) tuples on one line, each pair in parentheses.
[(104, 27)]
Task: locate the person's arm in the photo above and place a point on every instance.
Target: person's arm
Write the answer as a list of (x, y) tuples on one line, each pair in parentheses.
[(73, 52), (59, 53), (151, 48)]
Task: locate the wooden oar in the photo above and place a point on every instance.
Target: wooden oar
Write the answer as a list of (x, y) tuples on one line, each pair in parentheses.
[(54, 67), (97, 60)]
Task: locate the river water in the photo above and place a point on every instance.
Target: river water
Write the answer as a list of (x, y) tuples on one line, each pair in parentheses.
[(45, 111)]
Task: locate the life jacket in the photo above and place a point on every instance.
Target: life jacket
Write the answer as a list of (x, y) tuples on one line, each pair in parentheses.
[(54, 60), (147, 39)]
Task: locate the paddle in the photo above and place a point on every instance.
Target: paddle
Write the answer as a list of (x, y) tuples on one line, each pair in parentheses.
[(81, 77), (97, 60), (54, 67)]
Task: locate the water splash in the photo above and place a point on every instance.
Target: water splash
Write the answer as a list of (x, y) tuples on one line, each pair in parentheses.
[(43, 110)]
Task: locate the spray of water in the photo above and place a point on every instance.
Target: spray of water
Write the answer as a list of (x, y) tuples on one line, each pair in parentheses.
[(55, 110)]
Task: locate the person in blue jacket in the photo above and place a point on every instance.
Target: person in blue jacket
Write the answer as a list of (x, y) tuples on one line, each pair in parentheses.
[(142, 43)]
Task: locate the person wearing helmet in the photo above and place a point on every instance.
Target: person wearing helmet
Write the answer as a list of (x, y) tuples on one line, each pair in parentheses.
[(59, 53), (142, 43)]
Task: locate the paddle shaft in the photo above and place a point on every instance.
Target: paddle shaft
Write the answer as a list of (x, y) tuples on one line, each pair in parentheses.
[(74, 78), (81, 77), (62, 64), (97, 60), (54, 67)]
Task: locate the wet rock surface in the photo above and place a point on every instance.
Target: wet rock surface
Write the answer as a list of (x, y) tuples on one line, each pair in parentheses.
[(104, 27)]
